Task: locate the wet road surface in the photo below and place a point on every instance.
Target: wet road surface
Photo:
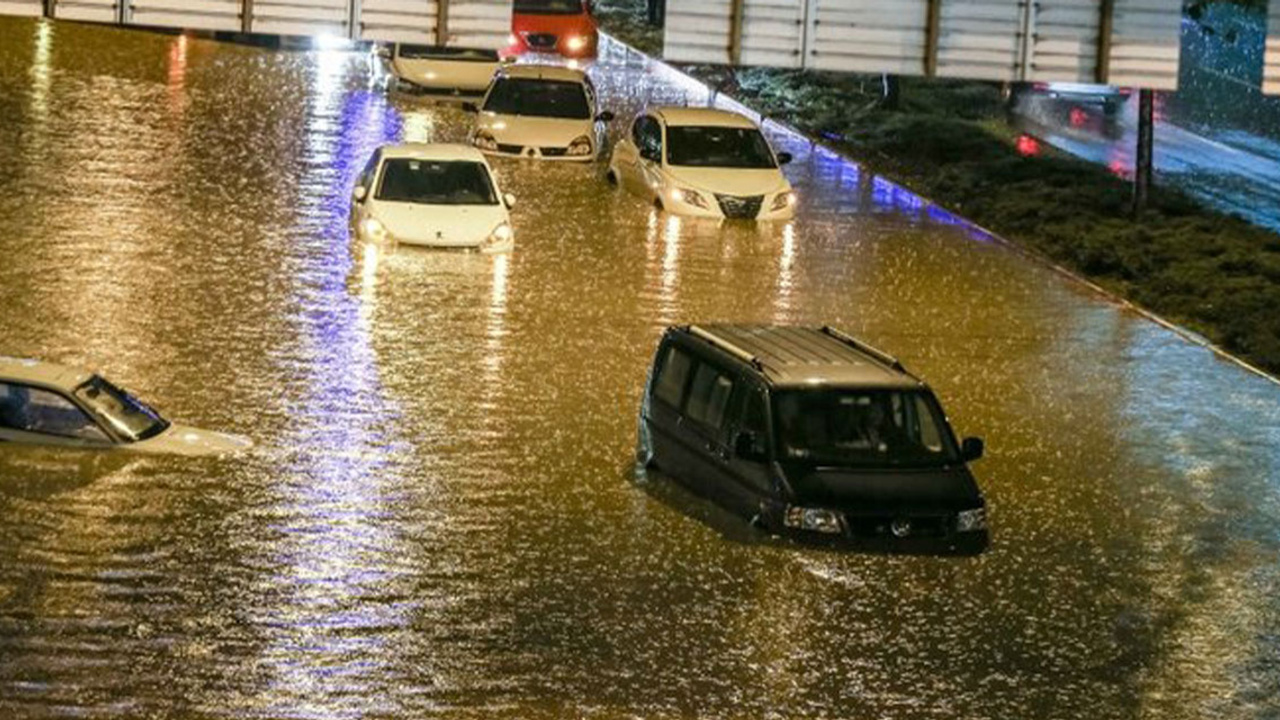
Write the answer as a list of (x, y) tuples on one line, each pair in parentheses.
[(441, 519), (1235, 172)]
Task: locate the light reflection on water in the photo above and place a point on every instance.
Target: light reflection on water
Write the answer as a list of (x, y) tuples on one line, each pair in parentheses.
[(438, 519)]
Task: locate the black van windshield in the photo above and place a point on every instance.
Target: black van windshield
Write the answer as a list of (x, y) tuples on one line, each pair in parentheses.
[(863, 428)]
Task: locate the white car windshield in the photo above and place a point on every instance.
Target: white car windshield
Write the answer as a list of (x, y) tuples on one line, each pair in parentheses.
[(863, 428), (436, 182), (539, 98), (127, 415), (724, 147)]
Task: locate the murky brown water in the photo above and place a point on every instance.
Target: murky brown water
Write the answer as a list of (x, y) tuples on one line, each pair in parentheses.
[(440, 517)]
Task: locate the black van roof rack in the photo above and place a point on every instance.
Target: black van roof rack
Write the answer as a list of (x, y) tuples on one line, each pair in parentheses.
[(726, 346), (863, 347)]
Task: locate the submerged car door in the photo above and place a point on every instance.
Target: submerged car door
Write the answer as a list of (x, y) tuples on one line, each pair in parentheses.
[(626, 153), (44, 431), (649, 162), (704, 429), (747, 436)]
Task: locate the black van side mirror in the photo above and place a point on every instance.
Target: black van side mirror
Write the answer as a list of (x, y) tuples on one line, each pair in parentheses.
[(747, 446), (606, 116), (470, 107), (971, 449), (784, 158)]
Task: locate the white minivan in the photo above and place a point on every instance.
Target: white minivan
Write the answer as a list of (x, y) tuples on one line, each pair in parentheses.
[(435, 195), (703, 163)]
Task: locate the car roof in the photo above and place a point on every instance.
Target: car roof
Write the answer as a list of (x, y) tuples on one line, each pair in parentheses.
[(38, 372), (790, 356), (701, 117), (433, 151), (544, 72)]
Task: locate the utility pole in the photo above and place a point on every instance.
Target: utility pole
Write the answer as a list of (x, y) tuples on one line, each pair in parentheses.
[(1143, 159)]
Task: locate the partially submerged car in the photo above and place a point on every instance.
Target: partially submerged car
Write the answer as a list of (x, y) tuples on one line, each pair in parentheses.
[(44, 403), (435, 195), (438, 70), (702, 162), (541, 112), (812, 434), (563, 27)]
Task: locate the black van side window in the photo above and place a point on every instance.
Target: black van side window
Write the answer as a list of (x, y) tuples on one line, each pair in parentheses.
[(753, 418), (709, 396), (672, 375)]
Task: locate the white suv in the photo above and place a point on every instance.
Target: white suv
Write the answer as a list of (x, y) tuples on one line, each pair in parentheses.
[(703, 163)]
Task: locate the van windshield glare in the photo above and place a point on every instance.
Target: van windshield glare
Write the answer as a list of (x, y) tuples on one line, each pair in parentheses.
[(863, 428)]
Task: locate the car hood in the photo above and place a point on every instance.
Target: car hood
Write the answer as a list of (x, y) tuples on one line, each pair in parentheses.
[(464, 75), (889, 491), (730, 181), (190, 441), (443, 225), (535, 131)]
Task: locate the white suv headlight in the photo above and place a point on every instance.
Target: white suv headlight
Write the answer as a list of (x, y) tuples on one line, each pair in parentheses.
[(581, 145), (783, 200), (970, 520), (689, 197), (814, 519)]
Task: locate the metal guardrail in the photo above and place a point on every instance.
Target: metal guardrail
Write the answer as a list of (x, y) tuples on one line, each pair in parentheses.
[(1120, 42), (1271, 73), (464, 23)]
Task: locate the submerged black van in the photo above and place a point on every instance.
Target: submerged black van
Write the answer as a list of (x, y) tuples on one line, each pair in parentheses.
[(813, 434)]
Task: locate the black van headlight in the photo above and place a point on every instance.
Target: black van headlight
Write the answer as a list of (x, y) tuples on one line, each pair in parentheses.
[(814, 519), (970, 520)]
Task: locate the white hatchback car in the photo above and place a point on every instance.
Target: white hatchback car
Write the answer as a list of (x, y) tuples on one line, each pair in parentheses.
[(703, 163), (435, 195), (443, 70), (48, 404), (540, 111)]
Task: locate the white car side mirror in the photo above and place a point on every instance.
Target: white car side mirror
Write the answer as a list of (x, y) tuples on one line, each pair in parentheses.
[(509, 200), (359, 193)]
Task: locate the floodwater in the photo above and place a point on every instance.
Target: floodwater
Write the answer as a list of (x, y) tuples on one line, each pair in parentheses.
[(440, 518)]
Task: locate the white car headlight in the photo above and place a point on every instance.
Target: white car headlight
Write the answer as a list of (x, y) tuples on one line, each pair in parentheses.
[(484, 141), (783, 200), (575, 43), (581, 145), (970, 520), (373, 229), (820, 520), (689, 197)]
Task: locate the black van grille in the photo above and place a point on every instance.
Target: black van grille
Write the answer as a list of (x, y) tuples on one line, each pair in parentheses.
[(869, 526), (540, 40), (740, 208)]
